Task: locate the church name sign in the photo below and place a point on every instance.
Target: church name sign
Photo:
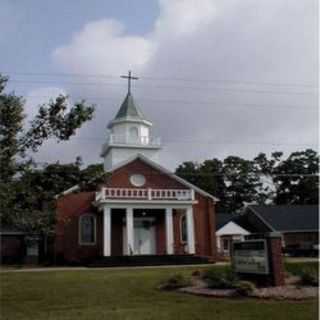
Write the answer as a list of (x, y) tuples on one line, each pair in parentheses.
[(250, 256)]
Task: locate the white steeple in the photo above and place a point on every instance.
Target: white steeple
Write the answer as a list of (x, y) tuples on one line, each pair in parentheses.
[(129, 134)]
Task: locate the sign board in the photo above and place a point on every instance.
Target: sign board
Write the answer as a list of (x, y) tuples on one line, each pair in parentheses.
[(250, 256)]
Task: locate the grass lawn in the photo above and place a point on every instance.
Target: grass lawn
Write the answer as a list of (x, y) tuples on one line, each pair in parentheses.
[(128, 294)]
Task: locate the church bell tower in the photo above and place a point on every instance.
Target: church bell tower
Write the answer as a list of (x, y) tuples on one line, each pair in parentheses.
[(129, 133)]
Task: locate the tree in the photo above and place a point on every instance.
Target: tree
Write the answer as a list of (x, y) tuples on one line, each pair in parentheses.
[(242, 183), (189, 171), (295, 179), (213, 180), (21, 195), (36, 189), (237, 182), (11, 124), (232, 180)]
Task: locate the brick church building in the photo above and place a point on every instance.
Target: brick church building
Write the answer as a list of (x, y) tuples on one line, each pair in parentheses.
[(140, 208)]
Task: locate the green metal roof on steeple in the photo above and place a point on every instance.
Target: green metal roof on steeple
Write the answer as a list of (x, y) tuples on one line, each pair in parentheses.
[(129, 109)]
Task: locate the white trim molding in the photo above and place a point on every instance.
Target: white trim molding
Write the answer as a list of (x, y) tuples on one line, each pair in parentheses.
[(190, 231), (130, 231), (169, 231), (107, 231)]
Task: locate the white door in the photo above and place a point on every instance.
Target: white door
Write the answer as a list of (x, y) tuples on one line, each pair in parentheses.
[(144, 238)]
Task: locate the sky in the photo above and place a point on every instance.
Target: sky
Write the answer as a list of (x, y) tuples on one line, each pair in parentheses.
[(216, 78)]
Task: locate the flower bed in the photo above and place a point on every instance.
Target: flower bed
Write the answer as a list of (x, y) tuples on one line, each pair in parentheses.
[(225, 284)]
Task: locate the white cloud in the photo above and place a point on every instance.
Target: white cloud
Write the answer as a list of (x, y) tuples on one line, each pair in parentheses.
[(184, 17), (268, 42), (103, 47)]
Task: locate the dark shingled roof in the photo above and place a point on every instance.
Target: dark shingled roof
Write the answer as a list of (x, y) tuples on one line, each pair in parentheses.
[(222, 219), (289, 218)]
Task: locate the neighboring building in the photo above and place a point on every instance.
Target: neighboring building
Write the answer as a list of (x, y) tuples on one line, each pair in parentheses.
[(17, 247), (12, 245), (141, 208), (227, 231), (298, 224)]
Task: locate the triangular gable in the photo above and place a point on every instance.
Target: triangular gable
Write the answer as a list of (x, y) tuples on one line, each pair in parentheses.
[(156, 167), (231, 228), (165, 171)]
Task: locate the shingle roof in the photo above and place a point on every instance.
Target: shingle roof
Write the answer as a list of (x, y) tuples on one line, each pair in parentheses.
[(222, 219), (289, 218), (129, 109)]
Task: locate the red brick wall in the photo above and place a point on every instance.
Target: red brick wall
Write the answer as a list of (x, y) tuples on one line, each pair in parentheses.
[(179, 246), (204, 222), (277, 276), (160, 234), (69, 209), (154, 178), (204, 226)]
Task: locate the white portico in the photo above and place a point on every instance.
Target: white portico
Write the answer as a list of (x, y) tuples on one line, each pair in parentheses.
[(136, 238)]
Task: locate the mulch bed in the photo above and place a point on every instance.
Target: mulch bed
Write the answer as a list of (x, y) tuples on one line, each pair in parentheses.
[(291, 291)]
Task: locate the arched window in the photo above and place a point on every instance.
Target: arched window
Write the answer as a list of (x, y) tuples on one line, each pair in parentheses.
[(87, 229), (183, 228), (134, 134)]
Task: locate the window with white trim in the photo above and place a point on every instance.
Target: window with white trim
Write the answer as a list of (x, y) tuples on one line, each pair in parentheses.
[(87, 229), (183, 228)]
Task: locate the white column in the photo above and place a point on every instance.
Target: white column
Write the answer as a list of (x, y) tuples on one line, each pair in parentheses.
[(130, 231), (106, 231), (169, 231), (190, 231)]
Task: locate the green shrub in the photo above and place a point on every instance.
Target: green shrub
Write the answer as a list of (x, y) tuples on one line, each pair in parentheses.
[(309, 277), (175, 281), (220, 279), (244, 288)]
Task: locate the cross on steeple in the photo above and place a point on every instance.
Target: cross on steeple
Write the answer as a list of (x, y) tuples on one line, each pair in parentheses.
[(129, 77)]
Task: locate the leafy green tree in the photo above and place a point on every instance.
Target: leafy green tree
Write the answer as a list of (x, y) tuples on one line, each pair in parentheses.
[(11, 124), (242, 183), (37, 188), (190, 171), (275, 180), (213, 181), (295, 179), (22, 194), (232, 180)]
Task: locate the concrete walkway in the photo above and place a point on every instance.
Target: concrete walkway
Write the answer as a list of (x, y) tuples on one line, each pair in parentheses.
[(51, 269)]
